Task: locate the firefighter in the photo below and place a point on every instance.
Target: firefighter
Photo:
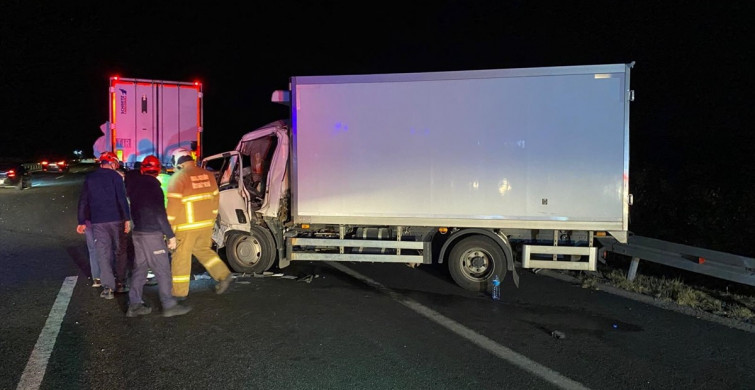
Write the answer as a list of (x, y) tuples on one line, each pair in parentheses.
[(192, 210)]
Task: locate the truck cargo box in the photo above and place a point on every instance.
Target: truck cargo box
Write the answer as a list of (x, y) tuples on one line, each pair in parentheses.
[(508, 148)]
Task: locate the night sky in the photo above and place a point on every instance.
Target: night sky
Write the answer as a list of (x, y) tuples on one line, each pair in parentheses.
[(690, 126)]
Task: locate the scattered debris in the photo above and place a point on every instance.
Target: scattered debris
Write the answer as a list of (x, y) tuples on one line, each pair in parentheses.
[(557, 334), (268, 274), (307, 279)]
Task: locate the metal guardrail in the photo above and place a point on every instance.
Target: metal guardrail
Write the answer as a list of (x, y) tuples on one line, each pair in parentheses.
[(32, 167), (721, 265)]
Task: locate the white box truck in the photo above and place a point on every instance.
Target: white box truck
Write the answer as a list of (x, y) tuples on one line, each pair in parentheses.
[(468, 168), (153, 117)]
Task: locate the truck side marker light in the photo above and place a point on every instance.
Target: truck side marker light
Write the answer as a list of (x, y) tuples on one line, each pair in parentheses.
[(305, 226), (443, 230)]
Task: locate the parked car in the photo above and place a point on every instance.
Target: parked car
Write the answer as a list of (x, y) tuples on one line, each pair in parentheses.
[(14, 175), (56, 164)]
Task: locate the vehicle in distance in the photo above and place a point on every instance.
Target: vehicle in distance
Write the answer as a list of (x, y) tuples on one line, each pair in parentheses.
[(14, 175), (55, 164)]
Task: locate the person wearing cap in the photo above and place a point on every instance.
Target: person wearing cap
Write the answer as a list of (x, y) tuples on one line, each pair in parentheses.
[(103, 203), (192, 210), (150, 233)]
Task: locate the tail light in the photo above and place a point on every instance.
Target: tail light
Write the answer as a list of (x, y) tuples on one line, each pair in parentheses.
[(44, 163), (61, 163), (12, 173)]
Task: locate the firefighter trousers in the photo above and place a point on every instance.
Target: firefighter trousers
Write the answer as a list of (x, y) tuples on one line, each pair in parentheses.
[(196, 242)]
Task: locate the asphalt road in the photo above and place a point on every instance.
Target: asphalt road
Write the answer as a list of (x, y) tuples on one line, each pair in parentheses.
[(353, 326)]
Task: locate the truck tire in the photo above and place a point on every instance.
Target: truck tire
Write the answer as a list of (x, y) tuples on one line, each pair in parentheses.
[(250, 253), (474, 261)]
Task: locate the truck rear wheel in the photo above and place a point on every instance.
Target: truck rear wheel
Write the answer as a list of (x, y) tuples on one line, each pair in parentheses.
[(250, 253), (474, 261)]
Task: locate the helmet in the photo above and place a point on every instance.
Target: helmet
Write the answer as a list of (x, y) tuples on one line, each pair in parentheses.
[(150, 165), (180, 156), (109, 157)]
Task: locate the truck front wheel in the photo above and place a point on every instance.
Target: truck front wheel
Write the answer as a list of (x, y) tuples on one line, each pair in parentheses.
[(474, 261), (250, 253)]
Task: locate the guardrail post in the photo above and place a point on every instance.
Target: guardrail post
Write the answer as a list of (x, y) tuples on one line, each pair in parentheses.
[(633, 269)]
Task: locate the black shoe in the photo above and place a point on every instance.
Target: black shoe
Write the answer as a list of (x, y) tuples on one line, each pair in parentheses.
[(138, 310), (223, 285), (177, 310), (121, 288)]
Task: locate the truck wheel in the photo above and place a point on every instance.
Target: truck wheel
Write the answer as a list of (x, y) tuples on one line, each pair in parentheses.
[(250, 253), (474, 261)]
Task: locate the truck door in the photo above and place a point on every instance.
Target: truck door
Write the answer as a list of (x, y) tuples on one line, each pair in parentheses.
[(233, 210)]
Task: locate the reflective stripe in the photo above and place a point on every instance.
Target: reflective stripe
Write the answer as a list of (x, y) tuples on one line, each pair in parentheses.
[(189, 212), (194, 198), (195, 225), (174, 195), (214, 211), (171, 218), (211, 263), (182, 279)]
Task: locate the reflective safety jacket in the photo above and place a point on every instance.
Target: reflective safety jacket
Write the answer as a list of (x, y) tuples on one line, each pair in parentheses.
[(164, 179), (192, 198)]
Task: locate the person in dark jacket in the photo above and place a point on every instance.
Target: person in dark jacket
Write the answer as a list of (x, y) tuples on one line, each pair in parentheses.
[(103, 203), (151, 230)]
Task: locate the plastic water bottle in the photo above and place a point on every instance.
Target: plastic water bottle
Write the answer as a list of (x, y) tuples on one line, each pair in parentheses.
[(496, 288)]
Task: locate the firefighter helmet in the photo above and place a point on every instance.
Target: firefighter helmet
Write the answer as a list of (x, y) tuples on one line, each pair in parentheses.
[(180, 156), (150, 165), (109, 157)]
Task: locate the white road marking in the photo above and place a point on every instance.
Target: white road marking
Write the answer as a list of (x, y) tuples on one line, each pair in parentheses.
[(60, 177), (37, 364), (483, 342)]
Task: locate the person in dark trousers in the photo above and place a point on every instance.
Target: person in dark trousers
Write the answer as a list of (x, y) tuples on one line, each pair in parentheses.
[(103, 203), (94, 266), (151, 230)]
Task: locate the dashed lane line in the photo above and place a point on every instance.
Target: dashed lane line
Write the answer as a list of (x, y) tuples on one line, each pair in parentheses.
[(35, 369), (483, 342)]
